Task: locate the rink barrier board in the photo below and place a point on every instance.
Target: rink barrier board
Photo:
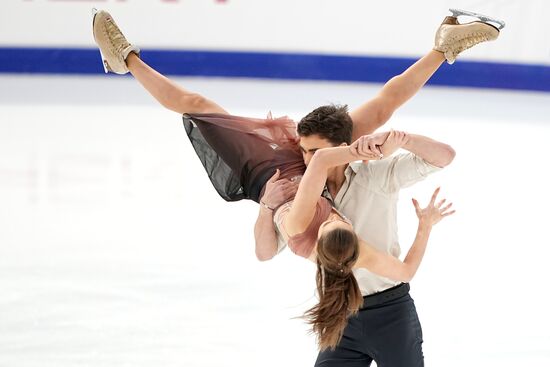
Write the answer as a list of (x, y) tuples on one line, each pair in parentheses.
[(293, 66)]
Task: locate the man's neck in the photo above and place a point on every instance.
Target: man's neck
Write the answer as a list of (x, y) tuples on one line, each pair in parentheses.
[(335, 179)]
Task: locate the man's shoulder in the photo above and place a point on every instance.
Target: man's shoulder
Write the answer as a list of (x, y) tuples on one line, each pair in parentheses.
[(377, 173), (383, 164)]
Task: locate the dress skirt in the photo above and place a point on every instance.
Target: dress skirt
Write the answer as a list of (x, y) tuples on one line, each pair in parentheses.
[(240, 154)]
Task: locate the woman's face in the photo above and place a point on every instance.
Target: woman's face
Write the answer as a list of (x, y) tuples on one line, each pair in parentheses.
[(331, 224)]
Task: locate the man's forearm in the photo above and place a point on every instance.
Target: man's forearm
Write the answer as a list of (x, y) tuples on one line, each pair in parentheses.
[(265, 235), (436, 153)]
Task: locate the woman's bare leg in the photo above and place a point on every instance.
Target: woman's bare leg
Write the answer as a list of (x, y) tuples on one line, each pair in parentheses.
[(120, 56), (398, 90), (168, 93), (451, 39)]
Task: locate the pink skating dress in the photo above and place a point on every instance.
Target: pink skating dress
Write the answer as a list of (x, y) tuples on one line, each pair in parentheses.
[(240, 154)]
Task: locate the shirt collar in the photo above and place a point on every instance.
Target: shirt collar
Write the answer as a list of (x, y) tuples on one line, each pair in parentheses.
[(353, 166), (350, 171)]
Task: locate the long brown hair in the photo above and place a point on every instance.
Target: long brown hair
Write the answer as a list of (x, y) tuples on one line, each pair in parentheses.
[(339, 293)]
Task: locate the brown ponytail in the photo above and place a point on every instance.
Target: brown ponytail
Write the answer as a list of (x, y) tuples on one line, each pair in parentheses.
[(339, 293)]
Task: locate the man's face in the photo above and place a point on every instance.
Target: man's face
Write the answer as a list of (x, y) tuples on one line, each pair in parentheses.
[(309, 144)]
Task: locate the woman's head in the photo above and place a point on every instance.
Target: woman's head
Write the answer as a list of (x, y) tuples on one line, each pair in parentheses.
[(339, 293)]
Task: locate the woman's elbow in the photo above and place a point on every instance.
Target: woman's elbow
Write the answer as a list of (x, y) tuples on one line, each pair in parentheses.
[(406, 275), (406, 278)]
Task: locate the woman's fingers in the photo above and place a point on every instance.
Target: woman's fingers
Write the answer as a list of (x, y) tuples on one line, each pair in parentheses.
[(444, 209), (448, 213), (365, 147), (434, 196), (374, 148), (416, 205)]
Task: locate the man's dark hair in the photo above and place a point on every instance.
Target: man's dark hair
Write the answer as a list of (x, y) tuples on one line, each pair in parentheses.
[(331, 122)]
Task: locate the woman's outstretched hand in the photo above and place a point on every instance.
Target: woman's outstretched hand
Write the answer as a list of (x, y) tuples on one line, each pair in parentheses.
[(433, 212)]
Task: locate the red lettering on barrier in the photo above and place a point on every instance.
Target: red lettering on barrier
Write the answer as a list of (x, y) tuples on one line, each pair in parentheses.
[(121, 1)]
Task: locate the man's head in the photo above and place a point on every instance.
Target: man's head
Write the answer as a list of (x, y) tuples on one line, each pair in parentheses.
[(324, 127)]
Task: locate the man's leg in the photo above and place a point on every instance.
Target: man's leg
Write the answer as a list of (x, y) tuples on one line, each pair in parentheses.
[(350, 352), (393, 332), (342, 358)]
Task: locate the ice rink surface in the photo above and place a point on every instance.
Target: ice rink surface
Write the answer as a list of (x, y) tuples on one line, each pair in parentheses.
[(116, 251)]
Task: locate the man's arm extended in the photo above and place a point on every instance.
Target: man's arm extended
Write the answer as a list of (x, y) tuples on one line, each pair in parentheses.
[(432, 151)]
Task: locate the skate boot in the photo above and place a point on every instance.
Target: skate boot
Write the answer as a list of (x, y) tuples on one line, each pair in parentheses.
[(113, 46), (452, 37)]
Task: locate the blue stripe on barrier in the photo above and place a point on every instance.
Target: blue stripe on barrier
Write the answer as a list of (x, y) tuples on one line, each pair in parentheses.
[(279, 66)]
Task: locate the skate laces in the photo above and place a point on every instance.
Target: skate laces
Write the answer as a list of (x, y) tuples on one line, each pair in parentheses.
[(118, 43), (456, 43), (467, 41)]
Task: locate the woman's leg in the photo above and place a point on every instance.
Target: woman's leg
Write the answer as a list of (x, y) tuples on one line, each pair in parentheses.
[(451, 39), (120, 56), (398, 90), (168, 93)]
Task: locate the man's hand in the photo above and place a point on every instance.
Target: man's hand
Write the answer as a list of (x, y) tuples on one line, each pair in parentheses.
[(396, 139), (278, 192)]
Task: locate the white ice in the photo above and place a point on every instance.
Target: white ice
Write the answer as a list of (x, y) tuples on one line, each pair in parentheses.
[(116, 251)]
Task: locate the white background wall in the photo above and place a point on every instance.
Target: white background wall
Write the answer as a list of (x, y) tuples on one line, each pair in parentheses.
[(389, 28)]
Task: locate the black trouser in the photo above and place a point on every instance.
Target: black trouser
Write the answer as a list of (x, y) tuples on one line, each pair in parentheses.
[(385, 330)]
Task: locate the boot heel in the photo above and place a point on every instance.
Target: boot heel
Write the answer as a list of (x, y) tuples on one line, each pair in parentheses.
[(451, 20), (483, 18), (106, 67)]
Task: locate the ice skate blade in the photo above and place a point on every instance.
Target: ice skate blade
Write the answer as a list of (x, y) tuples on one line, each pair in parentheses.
[(481, 17), (104, 63)]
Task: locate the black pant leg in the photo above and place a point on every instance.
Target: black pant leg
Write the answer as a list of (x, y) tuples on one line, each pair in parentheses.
[(349, 352), (394, 334)]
